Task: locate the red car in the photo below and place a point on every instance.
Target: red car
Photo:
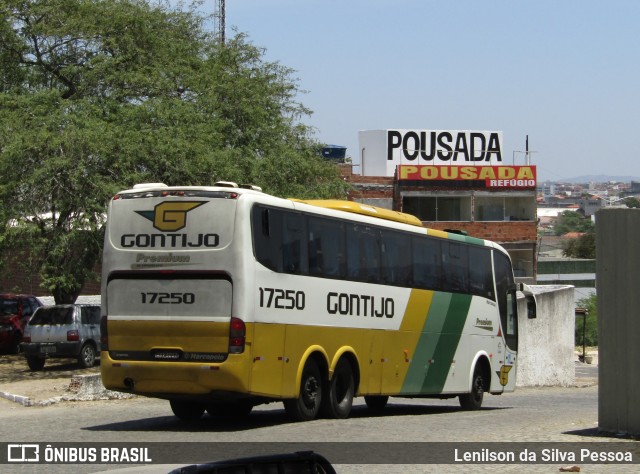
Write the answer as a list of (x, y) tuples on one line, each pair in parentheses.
[(15, 311)]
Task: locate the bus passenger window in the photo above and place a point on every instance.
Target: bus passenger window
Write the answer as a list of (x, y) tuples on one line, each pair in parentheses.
[(293, 227), (363, 253), (426, 263), (454, 267), (396, 258), (326, 248), (262, 241), (480, 272)]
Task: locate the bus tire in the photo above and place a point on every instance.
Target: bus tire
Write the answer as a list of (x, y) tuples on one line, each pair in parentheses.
[(187, 410), (473, 399), (307, 406), (338, 397), (376, 403)]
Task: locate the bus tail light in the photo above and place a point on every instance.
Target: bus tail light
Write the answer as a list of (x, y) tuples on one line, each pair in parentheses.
[(237, 333), (104, 337)]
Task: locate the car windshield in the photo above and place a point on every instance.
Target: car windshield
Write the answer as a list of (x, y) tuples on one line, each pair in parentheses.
[(52, 315), (8, 306)]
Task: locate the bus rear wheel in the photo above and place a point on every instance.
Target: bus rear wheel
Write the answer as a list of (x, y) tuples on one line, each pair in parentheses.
[(307, 406), (473, 400), (187, 410), (338, 397)]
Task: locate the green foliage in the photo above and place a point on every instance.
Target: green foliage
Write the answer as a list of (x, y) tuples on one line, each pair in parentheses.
[(96, 96), (591, 332), (632, 202), (571, 221), (581, 247)]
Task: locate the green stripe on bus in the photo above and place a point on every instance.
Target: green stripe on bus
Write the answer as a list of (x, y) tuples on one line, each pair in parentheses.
[(426, 346), (447, 343), (466, 239), (437, 344)]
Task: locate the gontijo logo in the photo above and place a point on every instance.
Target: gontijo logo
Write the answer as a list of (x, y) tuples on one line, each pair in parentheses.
[(170, 216)]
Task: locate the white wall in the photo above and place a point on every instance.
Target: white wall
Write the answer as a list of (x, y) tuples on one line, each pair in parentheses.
[(547, 343)]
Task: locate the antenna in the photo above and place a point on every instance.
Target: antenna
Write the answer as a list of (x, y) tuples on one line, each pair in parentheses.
[(219, 15), (527, 153)]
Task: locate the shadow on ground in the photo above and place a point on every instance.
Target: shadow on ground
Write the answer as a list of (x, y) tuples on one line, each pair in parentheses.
[(13, 368)]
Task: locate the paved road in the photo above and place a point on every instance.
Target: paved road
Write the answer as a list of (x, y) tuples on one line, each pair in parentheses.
[(532, 414)]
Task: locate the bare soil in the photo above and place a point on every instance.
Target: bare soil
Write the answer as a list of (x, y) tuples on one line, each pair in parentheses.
[(52, 381)]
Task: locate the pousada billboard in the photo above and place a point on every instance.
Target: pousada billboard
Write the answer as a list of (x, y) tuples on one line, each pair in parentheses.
[(381, 151)]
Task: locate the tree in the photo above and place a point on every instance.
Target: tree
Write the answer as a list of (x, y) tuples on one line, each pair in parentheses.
[(581, 247), (98, 95), (571, 221), (632, 202), (591, 330)]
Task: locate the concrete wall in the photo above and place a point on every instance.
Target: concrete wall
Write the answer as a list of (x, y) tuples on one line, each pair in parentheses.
[(618, 280), (547, 343)]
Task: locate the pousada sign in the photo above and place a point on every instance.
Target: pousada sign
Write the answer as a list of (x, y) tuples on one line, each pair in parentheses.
[(382, 150), (493, 176)]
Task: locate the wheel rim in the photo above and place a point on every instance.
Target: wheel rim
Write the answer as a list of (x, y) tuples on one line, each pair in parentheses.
[(88, 355), (310, 392), (478, 390)]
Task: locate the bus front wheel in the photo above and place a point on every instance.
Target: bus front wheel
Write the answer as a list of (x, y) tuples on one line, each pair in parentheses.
[(307, 405), (473, 399), (338, 397), (187, 410)]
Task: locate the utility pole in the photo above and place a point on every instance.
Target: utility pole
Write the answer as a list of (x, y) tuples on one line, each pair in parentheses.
[(220, 20)]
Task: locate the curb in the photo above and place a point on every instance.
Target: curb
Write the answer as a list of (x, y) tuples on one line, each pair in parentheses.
[(21, 399), (86, 388)]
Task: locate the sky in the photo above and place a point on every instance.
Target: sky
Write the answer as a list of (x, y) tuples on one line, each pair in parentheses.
[(564, 72)]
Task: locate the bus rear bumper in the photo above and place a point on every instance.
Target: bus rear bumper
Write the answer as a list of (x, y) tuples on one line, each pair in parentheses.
[(175, 379)]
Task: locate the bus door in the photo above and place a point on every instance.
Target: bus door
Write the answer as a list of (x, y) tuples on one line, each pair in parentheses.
[(507, 305)]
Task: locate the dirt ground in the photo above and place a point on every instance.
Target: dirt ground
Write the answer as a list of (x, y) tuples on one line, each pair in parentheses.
[(52, 381)]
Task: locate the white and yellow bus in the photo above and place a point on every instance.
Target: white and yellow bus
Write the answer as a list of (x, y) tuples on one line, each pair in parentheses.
[(221, 298)]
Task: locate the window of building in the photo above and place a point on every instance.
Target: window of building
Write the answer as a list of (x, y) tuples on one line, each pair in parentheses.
[(504, 208), (438, 208)]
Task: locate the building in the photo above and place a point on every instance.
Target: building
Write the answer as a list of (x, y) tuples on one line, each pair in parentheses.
[(452, 180)]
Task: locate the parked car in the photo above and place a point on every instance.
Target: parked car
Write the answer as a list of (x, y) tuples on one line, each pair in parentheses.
[(70, 330), (15, 311)]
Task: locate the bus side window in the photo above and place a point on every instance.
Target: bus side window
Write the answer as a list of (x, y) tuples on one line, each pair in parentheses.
[(426, 263), (363, 253), (267, 234), (326, 247), (293, 230), (396, 258), (480, 272), (454, 267)]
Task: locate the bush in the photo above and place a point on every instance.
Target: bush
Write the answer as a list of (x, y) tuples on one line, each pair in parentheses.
[(591, 331)]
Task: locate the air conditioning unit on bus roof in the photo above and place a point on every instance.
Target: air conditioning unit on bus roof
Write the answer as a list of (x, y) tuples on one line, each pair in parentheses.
[(231, 184), (149, 185)]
